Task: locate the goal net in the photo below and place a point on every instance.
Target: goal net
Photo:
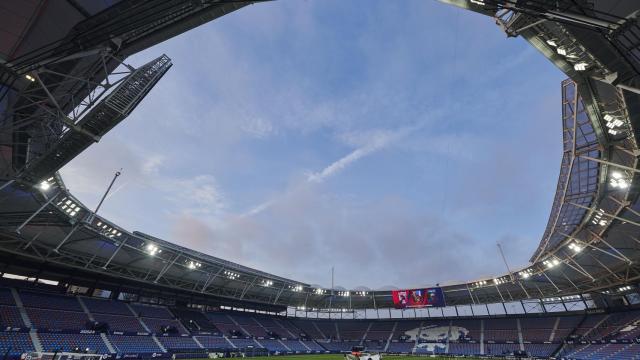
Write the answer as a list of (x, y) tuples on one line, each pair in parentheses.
[(61, 356)]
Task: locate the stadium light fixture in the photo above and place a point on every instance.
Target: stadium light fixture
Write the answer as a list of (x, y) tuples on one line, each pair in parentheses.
[(551, 263), (480, 283), (478, 2), (552, 42), (152, 249), (562, 51), (581, 66), (575, 247), (30, 77), (624, 288), (231, 275), (267, 283), (44, 185), (525, 274), (296, 288), (193, 264), (619, 180), (319, 291), (598, 218), (361, 293)]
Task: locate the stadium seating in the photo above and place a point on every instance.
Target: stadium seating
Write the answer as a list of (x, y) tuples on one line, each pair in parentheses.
[(68, 342), (381, 330), (273, 345), (307, 327), (249, 325), (15, 343), (401, 347), (352, 330), (244, 343), (61, 320), (295, 346), (290, 330), (6, 297), (542, 335), (464, 349), (98, 306), (152, 311), (542, 350), (500, 349), (214, 342), (10, 316), (328, 328), (50, 301), (537, 329), (312, 345), (133, 344), (223, 322), (195, 320), (501, 330), (156, 325), (120, 322), (178, 342)]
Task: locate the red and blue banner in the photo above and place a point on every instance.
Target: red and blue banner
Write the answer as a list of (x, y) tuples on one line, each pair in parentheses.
[(417, 298)]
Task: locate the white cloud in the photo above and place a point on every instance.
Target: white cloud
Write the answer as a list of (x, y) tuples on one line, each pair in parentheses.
[(369, 142), (152, 164)]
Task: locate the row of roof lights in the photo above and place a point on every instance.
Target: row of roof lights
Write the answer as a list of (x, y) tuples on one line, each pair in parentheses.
[(597, 218), (575, 247), (551, 263), (319, 291), (267, 283), (344, 293), (193, 265), (498, 281), (152, 249), (231, 275), (613, 123), (361, 293), (296, 288), (108, 230), (577, 66), (69, 206), (525, 274), (30, 77), (624, 288), (480, 283), (619, 180)]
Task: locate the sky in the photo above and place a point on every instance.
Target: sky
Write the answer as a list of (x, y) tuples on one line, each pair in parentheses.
[(396, 141)]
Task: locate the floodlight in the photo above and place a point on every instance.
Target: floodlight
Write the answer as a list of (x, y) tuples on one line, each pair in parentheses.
[(30, 78), (581, 66), (562, 51), (608, 117), (552, 43), (44, 185)]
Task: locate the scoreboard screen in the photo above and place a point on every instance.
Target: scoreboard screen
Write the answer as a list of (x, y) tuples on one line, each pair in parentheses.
[(416, 298)]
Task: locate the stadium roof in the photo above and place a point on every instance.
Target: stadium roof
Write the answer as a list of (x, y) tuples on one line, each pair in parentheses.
[(590, 243)]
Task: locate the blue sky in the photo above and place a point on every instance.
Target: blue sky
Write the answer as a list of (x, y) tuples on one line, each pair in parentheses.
[(395, 140)]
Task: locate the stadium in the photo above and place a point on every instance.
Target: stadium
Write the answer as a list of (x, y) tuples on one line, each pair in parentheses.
[(76, 285)]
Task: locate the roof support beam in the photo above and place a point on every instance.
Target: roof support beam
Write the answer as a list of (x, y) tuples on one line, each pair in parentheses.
[(19, 228)]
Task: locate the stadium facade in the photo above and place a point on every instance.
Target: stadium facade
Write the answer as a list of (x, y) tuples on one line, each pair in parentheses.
[(64, 86)]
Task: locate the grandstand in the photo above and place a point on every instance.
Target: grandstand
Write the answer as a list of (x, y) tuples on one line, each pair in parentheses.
[(74, 281)]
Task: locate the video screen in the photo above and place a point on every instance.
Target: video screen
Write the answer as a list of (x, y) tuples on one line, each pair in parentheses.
[(416, 298)]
